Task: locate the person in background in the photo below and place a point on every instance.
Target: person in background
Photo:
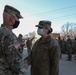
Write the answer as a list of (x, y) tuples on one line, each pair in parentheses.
[(21, 41), (45, 54), (60, 44), (22, 44), (29, 44), (69, 48), (75, 47)]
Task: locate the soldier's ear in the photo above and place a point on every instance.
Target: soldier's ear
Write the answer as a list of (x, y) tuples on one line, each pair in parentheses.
[(12, 20)]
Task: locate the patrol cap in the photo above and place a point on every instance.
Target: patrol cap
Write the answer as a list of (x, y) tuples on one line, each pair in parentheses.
[(10, 9), (45, 24)]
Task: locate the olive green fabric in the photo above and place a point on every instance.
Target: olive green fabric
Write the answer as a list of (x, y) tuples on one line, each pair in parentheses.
[(44, 57)]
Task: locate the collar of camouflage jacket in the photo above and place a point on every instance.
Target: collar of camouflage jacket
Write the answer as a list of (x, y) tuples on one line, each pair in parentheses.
[(2, 25)]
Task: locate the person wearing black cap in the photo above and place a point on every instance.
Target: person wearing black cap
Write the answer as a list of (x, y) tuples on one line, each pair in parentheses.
[(45, 54), (10, 57)]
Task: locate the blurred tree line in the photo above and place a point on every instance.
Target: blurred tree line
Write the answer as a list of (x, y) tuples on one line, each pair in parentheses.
[(68, 29)]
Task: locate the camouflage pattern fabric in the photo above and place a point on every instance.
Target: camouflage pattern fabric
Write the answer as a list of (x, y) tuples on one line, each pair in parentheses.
[(28, 44), (10, 9), (8, 54), (69, 49), (60, 44)]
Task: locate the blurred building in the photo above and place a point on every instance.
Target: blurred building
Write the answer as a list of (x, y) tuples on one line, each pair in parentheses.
[(55, 35)]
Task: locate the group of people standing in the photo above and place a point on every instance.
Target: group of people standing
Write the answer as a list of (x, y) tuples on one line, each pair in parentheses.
[(68, 47), (44, 55)]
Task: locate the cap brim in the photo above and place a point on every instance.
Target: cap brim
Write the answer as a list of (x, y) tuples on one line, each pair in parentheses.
[(38, 26), (19, 16)]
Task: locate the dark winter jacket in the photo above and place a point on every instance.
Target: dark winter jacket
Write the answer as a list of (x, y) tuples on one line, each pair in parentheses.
[(44, 57)]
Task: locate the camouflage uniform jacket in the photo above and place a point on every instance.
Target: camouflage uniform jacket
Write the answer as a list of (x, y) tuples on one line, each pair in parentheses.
[(69, 44), (29, 44), (9, 58), (44, 57)]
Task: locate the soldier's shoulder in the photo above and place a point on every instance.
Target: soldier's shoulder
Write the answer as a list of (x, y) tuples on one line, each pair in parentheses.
[(4, 31), (54, 41)]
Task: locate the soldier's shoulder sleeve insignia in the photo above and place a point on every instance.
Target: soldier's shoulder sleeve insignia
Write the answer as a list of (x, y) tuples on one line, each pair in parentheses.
[(16, 46)]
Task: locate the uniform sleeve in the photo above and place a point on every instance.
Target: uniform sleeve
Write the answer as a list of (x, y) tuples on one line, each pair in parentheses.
[(0, 42), (54, 60), (10, 54), (29, 57), (7, 48)]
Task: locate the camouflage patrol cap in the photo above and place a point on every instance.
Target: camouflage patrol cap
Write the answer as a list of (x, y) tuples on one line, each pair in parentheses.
[(10, 9), (45, 24)]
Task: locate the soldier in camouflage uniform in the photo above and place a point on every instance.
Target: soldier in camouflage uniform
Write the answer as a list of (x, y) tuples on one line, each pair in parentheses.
[(64, 49), (69, 48), (45, 54), (10, 57), (29, 44), (21, 41), (75, 47), (60, 44)]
